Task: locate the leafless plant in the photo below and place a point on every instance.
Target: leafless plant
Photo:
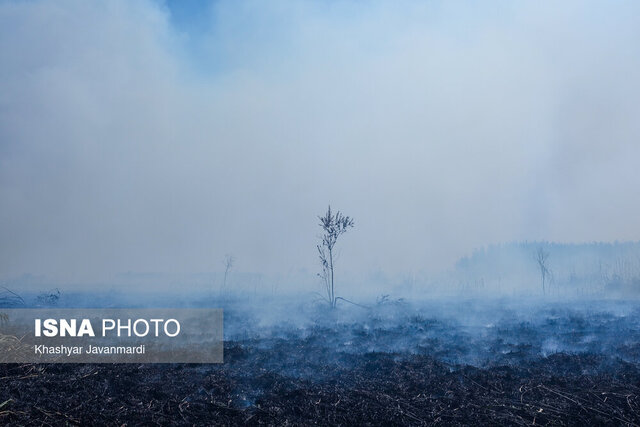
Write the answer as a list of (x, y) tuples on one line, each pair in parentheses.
[(541, 257), (229, 260), (333, 225), (8, 298)]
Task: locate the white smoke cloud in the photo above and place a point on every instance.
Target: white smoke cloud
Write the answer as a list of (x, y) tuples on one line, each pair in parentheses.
[(130, 143)]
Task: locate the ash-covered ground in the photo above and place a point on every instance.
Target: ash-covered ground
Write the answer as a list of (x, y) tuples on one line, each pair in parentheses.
[(444, 362)]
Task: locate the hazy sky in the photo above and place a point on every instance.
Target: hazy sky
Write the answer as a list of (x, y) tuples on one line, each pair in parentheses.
[(153, 136)]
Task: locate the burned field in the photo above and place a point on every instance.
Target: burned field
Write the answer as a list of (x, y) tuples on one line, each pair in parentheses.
[(462, 363)]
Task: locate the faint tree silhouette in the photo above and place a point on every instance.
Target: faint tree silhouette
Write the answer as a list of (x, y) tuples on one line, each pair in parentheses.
[(229, 260), (541, 257)]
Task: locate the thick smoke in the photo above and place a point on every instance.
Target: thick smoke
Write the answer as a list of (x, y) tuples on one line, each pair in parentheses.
[(134, 137)]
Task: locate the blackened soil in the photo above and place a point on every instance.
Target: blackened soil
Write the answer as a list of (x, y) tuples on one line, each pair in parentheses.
[(345, 389)]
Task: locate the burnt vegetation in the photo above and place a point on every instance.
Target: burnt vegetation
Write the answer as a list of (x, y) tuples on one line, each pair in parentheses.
[(374, 389), (457, 361), (397, 364)]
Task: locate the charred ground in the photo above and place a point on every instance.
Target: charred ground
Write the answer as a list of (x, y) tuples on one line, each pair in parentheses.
[(393, 366)]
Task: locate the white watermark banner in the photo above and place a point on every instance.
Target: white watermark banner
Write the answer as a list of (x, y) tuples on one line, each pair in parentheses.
[(149, 335)]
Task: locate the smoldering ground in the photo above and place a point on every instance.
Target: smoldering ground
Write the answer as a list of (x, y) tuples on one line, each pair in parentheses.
[(568, 356), (157, 137), (452, 361)]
